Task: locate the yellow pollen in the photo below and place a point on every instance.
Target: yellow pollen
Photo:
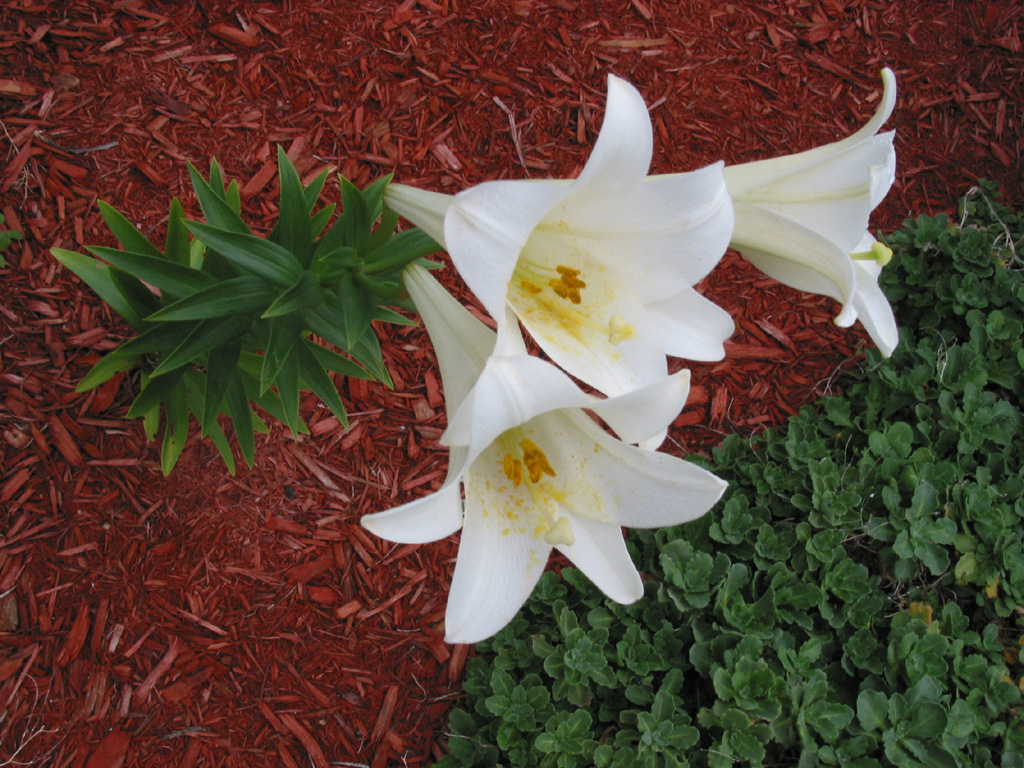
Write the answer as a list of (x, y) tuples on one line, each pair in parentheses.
[(513, 470), (567, 286), (560, 533), (619, 330), (530, 287), (535, 460)]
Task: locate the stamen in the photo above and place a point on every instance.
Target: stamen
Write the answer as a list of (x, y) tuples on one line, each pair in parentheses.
[(513, 469), (530, 287), (567, 286), (879, 253), (560, 534), (619, 330), (535, 460)]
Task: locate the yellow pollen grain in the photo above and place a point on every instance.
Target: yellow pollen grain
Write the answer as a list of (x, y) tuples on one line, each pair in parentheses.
[(619, 330), (535, 460), (513, 469), (568, 285), (530, 287)]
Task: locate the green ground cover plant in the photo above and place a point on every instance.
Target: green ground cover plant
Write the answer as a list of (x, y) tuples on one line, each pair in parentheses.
[(857, 596)]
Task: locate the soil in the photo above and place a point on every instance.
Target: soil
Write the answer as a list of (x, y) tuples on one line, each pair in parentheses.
[(205, 619)]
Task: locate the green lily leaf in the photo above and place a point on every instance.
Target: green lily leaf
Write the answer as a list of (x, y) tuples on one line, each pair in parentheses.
[(305, 294), (241, 417), (126, 233), (284, 336), (175, 427), (238, 295), (166, 275), (207, 335), (176, 247), (293, 231), (155, 389), (260, 257), (400, 251), (219, 211), (314, 376), (107, 367), (332, 361), (96, 275), (220, 372), (195, 388), (160, 338)]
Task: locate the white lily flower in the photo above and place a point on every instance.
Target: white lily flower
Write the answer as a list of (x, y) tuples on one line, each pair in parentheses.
[(600, 269), (802, 219), (538, 472)]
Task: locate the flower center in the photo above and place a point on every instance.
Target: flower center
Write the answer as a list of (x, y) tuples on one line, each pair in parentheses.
[(563, 303), (879, 253), (520, 452)]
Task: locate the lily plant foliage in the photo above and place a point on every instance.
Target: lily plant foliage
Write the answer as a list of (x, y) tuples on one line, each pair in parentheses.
[(537, 471)]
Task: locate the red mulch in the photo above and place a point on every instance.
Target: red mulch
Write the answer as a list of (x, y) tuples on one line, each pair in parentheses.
[(205, 620)]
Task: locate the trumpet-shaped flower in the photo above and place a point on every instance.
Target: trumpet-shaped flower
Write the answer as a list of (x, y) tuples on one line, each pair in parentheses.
[(600, 269), (802, 219), (538, 472)]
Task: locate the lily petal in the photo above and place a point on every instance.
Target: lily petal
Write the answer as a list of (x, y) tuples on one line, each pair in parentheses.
[(646, 412), (604, 479), (425, 209), (599, 551), (622, 153), (461, 342), (793, 254), (497, 567), (692, 327), (430, 518)]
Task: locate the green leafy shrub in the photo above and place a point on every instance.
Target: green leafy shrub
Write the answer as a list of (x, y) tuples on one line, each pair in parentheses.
[(855, 599), (225, 317)]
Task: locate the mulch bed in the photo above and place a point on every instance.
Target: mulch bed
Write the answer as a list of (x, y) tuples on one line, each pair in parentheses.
[(210, 620)]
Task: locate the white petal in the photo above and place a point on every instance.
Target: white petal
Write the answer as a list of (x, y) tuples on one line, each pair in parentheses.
[(510, 391), (664, 234), (599, 551), (424, 209), (604, 479), (580, 337), (430, 518), (745, 178), (692, 327), (793, 254), (622, 153), (461, 342), (497, 567), (874, 311), (486, 228), (643, 413)]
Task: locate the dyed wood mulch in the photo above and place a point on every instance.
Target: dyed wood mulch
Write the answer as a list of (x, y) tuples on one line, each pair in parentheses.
[(209, 620)]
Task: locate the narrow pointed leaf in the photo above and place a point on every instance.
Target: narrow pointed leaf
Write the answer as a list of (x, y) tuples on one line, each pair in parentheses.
[(305, 294), (314, 189), (285, 333), (241, 418), (126, 233), (367, 351), (385, 228), (107, 367), (176, 247), (287, 383), (158, 339), (313, 375), (96, 275), (326, 323), (356, 219), (206, 336), (332, 361), (233, 196), (166, 275), (239, 295), (141, 297), (373, 196), (175, 428), (293, 223), (355, 305), (155, 390), (253, 254), (386, 315), (400, 251), (151, 422), (220, 372), (319, 220), (218, 211)]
